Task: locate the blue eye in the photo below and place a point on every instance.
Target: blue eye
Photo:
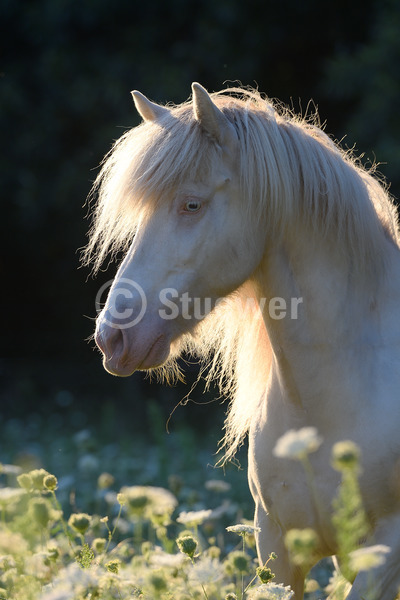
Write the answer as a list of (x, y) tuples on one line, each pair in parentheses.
[(192, 206)]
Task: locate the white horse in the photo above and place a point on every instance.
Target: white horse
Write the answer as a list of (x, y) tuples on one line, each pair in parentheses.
[(255, 241)]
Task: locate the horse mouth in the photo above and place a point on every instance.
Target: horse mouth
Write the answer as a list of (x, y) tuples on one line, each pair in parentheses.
[(157, 355), (126, 365)]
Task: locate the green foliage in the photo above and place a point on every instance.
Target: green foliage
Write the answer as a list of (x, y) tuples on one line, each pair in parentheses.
[(85, 557), (302, 545), (264, 574), (349, 518), (40, 511)]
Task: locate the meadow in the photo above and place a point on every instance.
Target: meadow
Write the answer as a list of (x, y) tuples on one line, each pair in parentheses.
[(84, 516)]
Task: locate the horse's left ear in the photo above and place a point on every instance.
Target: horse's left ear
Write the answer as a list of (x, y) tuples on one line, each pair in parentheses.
[(149, 111), (211, 118)]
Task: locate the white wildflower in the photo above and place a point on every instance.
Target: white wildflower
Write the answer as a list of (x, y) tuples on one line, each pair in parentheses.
[(368, 558), (243, 529), (88, 464), (77, 576), (110, 497), (217, 485), (12, 543), (194, 517), (159, 558), (35, 565), (151, 500), (71, 582), (7, 562), (10, 469), (206, 570), (9, 495), (297, 444), (271, 591), (61, 592), (227, 508)]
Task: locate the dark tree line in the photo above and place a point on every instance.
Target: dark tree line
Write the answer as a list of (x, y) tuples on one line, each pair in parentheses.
[(67, 67)]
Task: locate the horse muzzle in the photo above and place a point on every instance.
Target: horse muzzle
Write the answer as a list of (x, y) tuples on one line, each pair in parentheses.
[(129, 349)]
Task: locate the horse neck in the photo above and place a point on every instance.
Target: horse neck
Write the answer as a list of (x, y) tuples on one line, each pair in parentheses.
[(337, 312)]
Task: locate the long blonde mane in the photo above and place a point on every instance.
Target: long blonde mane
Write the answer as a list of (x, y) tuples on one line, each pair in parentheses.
[(290, 172)]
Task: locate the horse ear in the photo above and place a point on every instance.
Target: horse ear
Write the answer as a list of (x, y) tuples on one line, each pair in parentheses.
[(149, 111), (211, 118)]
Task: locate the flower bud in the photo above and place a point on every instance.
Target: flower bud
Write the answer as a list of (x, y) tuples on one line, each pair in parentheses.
[(98, 545), (105, 480), (239, 561), (50, 482), (187, 545), (80, 522), (37, 476), (122, 499), (113, 565), (345, 456), (265, 574), (53, 553)]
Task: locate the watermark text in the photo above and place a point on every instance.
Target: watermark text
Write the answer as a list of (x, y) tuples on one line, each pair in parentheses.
[(124, 304)]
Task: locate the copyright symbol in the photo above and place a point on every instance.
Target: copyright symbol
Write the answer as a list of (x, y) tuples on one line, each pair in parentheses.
[(120, 309)]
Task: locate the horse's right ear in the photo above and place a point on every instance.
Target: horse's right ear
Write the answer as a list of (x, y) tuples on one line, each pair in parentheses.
[(149, 111), (211, 118)]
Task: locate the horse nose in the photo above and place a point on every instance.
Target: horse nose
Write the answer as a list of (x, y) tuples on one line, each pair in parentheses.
[(115, 344), (124, 308), (109, 339)]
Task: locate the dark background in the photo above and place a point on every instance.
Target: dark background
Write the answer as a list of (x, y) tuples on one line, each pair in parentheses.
[(66, 71)]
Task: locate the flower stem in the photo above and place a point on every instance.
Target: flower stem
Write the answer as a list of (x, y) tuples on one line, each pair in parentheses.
[(202, 586)]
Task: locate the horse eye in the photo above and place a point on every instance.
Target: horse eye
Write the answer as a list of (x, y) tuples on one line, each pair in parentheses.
[(192, 206)]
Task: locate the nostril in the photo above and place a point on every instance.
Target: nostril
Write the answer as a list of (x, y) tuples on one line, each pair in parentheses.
[(109, 340)]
